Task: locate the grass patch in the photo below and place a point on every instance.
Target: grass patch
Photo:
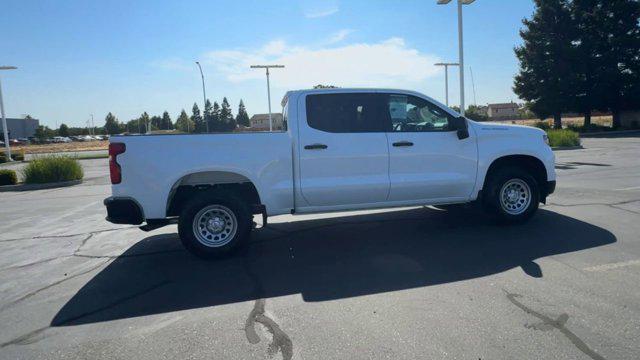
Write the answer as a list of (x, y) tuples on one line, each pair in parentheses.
[(8, 177), (563, 138), (49, 169)]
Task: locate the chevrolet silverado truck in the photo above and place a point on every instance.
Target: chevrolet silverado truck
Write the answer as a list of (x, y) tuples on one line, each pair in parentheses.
[(340, 149)]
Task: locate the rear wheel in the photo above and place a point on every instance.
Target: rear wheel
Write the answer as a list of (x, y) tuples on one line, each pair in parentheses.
[(214, 225), (512, 194)]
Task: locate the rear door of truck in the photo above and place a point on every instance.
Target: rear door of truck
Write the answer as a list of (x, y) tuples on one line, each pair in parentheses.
[(344, 157)]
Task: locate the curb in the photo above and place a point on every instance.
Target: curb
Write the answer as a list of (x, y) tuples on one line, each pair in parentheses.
[(561, 148), (608, 133), (29, 187)]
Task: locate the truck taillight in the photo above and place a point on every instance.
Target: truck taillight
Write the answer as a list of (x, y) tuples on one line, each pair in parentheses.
[(114, 168)]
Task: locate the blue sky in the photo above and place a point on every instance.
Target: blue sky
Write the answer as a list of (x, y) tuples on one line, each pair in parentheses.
[(78, 58)]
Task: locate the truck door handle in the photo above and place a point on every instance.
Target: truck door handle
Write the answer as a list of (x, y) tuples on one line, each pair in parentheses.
[(403, 143), (315, 147)]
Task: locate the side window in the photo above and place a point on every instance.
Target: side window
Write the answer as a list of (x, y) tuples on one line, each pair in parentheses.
[(285, 116), (413, 114), (346, 112)]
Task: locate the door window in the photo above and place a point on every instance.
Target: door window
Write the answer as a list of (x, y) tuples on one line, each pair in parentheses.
[(413, 114), (346, 112)]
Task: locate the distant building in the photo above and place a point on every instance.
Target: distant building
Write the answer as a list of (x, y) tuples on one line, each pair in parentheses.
[(261, 121), (503, 111), (20, 128)]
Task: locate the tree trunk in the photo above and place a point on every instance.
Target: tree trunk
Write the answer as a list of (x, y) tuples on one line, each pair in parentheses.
[(616, 119), (557, 121), (587, 118)]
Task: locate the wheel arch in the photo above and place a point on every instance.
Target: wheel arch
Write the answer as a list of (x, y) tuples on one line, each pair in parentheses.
[(529, 163), (195, 183)]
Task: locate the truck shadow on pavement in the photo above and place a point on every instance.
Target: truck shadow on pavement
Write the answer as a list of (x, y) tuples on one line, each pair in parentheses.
[(326, 259)]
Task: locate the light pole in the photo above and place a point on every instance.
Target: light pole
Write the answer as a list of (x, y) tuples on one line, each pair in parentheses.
[(460, 47), (446, 79), (7, 148), (268, 87), (204, 96)]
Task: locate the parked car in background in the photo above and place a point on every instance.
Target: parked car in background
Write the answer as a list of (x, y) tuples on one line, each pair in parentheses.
[(342, 149)]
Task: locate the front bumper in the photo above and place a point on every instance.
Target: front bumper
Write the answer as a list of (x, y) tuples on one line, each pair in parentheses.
[(123, 210)]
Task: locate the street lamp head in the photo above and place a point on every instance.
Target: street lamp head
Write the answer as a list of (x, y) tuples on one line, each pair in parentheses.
[(446, 64), (266, 66), (8, 67), (464, 2)]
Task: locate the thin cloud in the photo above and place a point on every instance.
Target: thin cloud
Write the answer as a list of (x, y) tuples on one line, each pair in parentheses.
[(339, 36), (386, 63)]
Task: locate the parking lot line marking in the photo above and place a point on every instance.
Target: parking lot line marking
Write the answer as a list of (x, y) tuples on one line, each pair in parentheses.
[(606, 267), (629, 188)]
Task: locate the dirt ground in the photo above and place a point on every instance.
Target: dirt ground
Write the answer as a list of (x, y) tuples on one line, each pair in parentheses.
[(63, 147)]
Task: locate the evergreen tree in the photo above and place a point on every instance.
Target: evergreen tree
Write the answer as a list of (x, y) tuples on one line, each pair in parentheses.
[(143, 123), (196, 118), (226, 116), (183, 123), (63, 130), (242, 118), (111, 125), (156, 123), (546, 77), (166, 121), (216, 125), (620, 50), (208, 117)]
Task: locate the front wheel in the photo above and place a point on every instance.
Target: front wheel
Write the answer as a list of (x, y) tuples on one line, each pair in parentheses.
[(214, 225), (512, 194)]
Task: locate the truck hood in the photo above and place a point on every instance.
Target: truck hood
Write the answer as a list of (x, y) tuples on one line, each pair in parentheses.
[(494, 128)]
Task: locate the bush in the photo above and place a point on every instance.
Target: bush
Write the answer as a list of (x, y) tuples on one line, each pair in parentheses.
[(52, 169), (563, 138), (15, 155), (589, 128), (8, 177), (542, 125)]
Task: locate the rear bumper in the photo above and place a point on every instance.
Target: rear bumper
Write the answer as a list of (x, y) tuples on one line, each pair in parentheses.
[(123, 210)]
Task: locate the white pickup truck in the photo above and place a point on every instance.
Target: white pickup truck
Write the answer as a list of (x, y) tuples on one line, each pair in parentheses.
[(341, 149)]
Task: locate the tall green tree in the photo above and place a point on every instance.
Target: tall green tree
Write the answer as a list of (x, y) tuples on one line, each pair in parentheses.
[(156, 123), (111, 125), (143, 123), (586, 16), (196, 118), (183, 123), (208, 117), (216, 125), (166, 123), (63, 130), (546, 77), (226, 116), (620, 50), (242, 118)]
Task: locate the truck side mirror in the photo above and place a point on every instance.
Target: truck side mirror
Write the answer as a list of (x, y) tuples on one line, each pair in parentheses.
[(460, 124)]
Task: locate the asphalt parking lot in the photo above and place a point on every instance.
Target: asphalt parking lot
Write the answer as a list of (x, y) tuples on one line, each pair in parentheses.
[(398, 284)]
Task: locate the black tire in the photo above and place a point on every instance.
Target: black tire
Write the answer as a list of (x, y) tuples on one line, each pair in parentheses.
[(518, 211), (221, 202)]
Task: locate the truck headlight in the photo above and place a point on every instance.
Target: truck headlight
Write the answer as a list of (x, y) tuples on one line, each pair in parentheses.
[(545, 137)]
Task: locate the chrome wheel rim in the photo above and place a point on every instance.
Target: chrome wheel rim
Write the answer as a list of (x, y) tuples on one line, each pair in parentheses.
[(215, 225), (515, 196)]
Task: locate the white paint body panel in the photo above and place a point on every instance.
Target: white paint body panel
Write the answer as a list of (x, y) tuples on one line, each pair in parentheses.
[(356, 171)]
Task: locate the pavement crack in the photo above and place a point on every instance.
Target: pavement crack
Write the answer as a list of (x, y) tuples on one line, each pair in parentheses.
[(115, 303), (66, 236), (548, 324), (280, 340), (35, 292)]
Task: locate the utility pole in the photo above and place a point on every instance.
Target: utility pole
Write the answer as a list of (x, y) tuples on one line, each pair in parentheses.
[(7, 148), (446, 78), (268, 87), (460, 47), (204, 97)]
